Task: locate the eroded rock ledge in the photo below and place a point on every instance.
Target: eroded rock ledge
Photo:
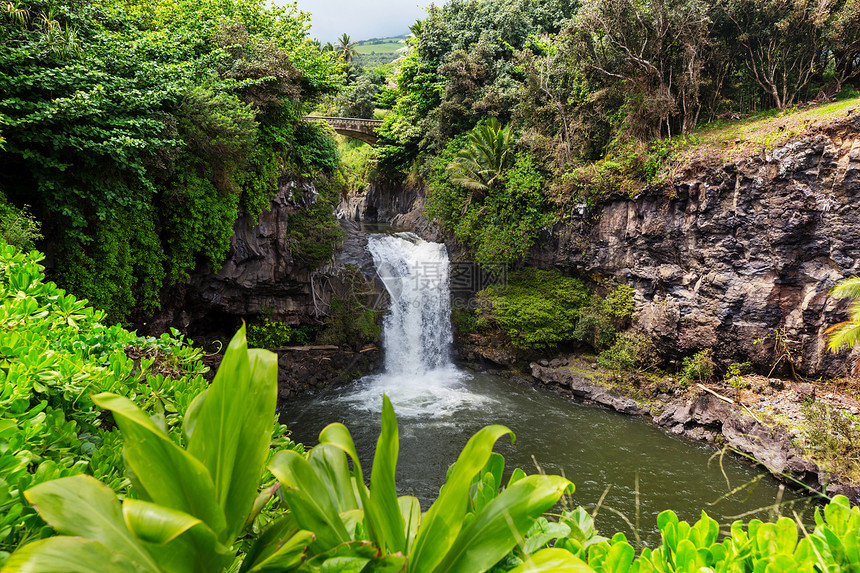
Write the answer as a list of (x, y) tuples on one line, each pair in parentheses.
[(699, 415)]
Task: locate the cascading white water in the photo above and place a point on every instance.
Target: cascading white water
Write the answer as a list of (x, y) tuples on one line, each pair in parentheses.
[(417, 330), (419, 376)]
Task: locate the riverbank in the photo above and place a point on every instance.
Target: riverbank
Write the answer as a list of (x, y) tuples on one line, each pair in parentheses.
[(780, 423)]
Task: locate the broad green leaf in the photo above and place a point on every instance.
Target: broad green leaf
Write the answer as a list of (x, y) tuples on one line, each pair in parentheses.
[(81, 506), (231, 429), (384, 510), (502, 523), (552, 560), (259, 503), (388, 564), (516, 476), (69, 555), (441, 525), (496, 467), (331, 466), (619, 557), (344, 565), (179, 542), (286, 556), (155, 523), (268, 542), (338, 435), (170, 476), (410, 509), (309, 499), (354, 549), (189, 422)]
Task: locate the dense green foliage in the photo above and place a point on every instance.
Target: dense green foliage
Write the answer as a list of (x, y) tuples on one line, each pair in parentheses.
[(832, 436), (55, 352), (844, 334), (699, 367), (138, 130), (18, 227), (499, 219), (267, 332), (537, 309), (192, 501), (542, 309), (593, 92), (630, 351), (313, 231)]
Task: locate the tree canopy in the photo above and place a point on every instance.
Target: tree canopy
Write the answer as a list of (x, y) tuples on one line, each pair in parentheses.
[(138, 130)]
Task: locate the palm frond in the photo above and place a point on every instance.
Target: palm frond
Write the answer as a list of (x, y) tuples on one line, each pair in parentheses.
[(847, 288), (845, 334)]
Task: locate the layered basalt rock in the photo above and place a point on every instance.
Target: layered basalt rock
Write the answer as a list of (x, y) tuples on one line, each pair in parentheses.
[(738, 258)]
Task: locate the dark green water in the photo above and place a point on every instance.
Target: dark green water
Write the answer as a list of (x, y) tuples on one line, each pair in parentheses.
[(596, 449)]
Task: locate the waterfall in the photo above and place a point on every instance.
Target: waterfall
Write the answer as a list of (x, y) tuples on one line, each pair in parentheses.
[(417, 329), (419, 377)]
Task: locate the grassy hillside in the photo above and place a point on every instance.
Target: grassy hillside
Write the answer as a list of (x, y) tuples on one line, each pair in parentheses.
[(723, 141), (378, 51), (387, 46)]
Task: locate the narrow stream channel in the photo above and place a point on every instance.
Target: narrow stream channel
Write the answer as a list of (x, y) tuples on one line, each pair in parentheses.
[(439, 406)]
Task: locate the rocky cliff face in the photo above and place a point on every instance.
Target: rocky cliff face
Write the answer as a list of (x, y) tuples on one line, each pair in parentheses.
[(738, 258), (400, 205), (260, 273)]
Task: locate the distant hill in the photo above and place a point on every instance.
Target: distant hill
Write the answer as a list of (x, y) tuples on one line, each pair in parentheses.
[(379, 51)]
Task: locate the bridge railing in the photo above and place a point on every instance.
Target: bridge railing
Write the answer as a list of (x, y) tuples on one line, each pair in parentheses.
[(356, 120)]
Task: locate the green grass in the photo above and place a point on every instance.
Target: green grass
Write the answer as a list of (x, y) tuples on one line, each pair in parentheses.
[(390, 46)]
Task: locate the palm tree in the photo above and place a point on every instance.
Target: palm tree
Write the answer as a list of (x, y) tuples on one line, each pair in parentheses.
[(346, 48), (845, 334), (478, 165)]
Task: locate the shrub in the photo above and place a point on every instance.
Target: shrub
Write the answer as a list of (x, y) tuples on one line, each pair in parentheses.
[(465, 320), (734, 374), (595, 326), (619, 302), (537, 309), (834, 437), (266, 332), (629, 351), (699, 367), (603, 317), (56, 352), (18, 227)]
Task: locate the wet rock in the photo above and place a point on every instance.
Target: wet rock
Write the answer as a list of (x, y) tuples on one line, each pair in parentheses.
[(585, 388), (303, 369)]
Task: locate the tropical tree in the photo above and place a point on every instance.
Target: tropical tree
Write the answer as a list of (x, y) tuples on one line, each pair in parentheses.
[(480, 163), (845, 334), (346, 48)]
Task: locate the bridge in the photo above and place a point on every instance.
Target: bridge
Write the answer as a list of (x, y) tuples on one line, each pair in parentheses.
[(355, 127)]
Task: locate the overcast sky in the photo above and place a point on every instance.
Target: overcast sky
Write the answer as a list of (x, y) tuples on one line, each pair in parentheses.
[(362, 19)]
